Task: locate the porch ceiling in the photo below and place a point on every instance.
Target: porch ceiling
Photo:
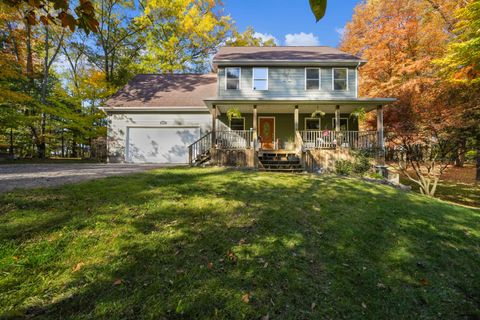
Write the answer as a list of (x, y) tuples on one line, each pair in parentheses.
[(304, 106)]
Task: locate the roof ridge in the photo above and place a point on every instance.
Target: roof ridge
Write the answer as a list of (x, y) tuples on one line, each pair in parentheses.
[(175, 74)]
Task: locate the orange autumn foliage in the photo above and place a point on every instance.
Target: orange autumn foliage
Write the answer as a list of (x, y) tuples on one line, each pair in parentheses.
[(401, 39)]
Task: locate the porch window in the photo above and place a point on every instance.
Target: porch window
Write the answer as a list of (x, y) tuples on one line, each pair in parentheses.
[(237, 123), (233, 78), (343, 124), (312, 79), (260, 78), (340, 76), (312, 124)]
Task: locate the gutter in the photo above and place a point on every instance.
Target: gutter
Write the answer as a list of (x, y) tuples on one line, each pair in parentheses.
[(238, 62), (156, 109)]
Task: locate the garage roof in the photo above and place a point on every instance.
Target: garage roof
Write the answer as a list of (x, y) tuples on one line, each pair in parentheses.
[(165, 90)]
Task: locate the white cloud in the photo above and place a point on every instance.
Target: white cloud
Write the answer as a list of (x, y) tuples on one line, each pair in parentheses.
[(301, 39), (265, 37), (340, 31)]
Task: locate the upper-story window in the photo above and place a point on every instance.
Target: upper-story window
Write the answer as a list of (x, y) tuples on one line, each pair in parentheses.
[(232, 78), (340, 79), (312, 79), (260, 78)]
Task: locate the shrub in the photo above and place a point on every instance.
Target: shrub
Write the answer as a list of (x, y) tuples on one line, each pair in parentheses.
[(343, 167), (362, 164)]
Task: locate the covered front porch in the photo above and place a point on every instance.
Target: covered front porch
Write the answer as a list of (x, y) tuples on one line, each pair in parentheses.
[(289, 127)]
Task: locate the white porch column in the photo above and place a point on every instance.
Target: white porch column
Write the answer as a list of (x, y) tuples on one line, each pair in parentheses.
[(255, 133), (295, 118), (381, 145), (337, 118), (214, 125)]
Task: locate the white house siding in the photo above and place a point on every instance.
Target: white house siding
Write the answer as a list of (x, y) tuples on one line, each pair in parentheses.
[(193, 123)]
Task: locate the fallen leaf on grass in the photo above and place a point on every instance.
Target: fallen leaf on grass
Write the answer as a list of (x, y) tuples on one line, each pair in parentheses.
[(381, 285), (210, 265), (117, 282), (424, 282), (267, 317), (232, 256), (364, 305), (313, 305), (15, 258), (78, 266), (246, 298)]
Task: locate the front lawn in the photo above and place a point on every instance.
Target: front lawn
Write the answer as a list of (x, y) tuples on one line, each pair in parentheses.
[(223, 244)]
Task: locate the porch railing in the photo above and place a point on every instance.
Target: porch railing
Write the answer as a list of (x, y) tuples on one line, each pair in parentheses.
[(199, 149), (234, 139), (327, 139)]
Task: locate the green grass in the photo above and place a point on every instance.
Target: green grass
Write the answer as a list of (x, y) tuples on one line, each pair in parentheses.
[(461, 193), (195, 243)]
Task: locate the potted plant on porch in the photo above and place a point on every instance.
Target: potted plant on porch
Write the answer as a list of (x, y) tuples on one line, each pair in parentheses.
[(289, 144)]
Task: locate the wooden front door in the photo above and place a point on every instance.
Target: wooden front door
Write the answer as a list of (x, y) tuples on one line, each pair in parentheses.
[(266, 132)]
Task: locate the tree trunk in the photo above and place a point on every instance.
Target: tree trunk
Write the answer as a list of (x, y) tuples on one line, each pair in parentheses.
[(460, 159), (11, 151), (63, 145), (478, 163), (74, 148), (29, 51)]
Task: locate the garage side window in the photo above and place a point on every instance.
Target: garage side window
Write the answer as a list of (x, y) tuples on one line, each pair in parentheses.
[(232, 78), (237, 123)]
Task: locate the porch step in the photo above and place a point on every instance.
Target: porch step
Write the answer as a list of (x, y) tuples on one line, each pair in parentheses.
[(201, 159), (280, 162)]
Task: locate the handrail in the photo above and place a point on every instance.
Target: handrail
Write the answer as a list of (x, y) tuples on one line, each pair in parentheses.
[(199, 148), (234, 139), (328, 139)]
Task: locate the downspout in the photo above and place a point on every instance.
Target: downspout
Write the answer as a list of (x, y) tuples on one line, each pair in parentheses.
[(356, 79)]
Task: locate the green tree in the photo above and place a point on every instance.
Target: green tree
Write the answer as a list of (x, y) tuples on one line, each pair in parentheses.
[(462, 61), (248, 39), (181, 35)]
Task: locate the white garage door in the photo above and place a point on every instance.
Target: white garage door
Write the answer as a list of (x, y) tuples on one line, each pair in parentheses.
[(160, 145)]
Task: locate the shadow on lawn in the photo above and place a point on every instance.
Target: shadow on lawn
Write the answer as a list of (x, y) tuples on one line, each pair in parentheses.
[(294, 247)]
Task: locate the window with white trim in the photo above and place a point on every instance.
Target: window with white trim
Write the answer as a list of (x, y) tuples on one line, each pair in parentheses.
[(312, 78), (340, 79), (232, 76), (237, 123), (343, 124), (312, 124), (260, 78)]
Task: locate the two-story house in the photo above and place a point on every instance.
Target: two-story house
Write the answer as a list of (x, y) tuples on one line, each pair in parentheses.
[(267, 107)]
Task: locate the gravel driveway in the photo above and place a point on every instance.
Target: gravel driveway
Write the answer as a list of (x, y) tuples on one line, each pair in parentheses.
[(13, 176)]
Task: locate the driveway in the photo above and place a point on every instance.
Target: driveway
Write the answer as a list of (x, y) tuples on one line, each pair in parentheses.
[(24, 176)]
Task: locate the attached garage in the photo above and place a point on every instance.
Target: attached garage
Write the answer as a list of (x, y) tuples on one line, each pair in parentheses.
[(160, 144), (155, 117)]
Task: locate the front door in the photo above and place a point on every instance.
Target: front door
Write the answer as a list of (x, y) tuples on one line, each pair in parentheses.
[(266, 133)]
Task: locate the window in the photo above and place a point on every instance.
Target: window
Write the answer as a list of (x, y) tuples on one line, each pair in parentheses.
[(260, 78), (340, 76), (343, 124), (312, 123), (233, 78), (312, 79), (237, 123)]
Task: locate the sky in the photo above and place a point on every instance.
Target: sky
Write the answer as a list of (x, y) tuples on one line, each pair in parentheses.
[(291, 22)]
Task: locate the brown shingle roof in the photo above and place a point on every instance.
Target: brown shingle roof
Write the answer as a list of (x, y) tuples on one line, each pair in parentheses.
[(320, 53), (165, 90)]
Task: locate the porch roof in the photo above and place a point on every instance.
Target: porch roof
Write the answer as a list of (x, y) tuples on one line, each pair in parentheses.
[(287, 105)]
